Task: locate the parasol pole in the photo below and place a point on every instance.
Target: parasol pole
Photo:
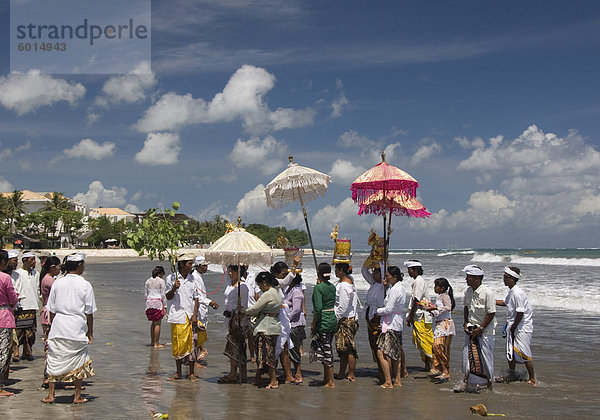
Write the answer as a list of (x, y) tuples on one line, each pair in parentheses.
[(312, 247), (384, 237), (241, 335)]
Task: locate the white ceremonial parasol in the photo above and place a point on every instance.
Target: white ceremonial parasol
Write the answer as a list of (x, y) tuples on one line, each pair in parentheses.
[(297, 183), (239, 247)]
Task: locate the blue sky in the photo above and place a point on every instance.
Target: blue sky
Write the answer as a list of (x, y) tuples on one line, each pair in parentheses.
[(492, 107)]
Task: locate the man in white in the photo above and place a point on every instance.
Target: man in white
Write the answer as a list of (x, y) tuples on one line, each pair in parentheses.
[(182, 301), (71, 305), (479, 324), (420, 319), (201, 266), (30, 302), (519, 326)]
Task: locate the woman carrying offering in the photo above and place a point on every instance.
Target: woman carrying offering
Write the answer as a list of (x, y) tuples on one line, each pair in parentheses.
[(324, 323), (389, 342), (266, 327), (346, 312)]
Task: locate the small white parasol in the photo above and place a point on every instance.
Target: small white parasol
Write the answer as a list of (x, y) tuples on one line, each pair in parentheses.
[(297, 183), (239, 247)]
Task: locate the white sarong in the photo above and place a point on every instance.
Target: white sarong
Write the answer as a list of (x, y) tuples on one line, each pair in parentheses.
[(519, 349), (486, 343), (286, 327), (68, 360)]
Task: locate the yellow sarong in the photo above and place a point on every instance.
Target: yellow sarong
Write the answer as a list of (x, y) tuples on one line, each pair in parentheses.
[(423, 338), (181, 339)]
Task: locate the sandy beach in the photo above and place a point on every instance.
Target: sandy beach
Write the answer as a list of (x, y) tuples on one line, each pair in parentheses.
[(131, 377)]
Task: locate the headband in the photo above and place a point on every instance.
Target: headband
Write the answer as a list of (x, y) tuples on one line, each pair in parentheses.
[(473, 270), (409, 264), (76, 257), (512, 273)]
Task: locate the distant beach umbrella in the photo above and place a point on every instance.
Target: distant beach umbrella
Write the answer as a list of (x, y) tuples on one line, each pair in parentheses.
[(297, 183), (386, 189)]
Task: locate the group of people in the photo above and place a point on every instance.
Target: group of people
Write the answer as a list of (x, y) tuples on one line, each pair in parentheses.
[(66, 304), (266, 315)]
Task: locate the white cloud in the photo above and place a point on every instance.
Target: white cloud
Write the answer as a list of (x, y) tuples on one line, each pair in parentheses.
[(589, 204), (209, 213), (97, 196), (25, 93), (344, 171), (241, 99), (425, 151), (89, 149), (160, 149), (326, 218), (132, 208), (267, 155), (351, 138), (5, 186), (129, 88), (340, 102), (252, 208)]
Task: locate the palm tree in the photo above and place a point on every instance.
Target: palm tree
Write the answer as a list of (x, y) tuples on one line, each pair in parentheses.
[(57, 202), (15, 206)]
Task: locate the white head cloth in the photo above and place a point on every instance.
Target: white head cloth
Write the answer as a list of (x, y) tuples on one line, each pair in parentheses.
[(512, 273), (13, 253), (473, 270), (409, 264), (27, 254), (78, 256), (200, 260)]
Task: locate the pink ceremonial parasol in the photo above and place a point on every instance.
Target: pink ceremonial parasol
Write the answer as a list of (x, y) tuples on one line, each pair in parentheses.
[(387, 189)]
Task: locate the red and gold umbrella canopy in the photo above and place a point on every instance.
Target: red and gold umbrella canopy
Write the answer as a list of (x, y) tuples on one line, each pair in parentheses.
[(399, 204)]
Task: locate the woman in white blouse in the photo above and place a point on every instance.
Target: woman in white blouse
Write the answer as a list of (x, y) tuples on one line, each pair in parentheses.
[(389, 342), (156, 303), (346, 312)]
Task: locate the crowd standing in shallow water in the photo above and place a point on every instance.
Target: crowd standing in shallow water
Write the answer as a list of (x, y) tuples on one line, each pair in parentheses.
[(274, 323)]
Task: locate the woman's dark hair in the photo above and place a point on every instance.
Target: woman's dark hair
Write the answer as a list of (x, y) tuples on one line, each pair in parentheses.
[(395, 272), (278, 268), (242, 271), (418, 268), (343, 267), (322, 269), (3, 256), (264, 277), (445, 285), (158, 271), (46, 268)]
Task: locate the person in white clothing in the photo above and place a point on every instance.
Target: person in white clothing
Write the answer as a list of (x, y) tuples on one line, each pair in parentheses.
[(201, 266), (519, 326), (182, 298), (156, 303), (26, 322), (71, 305), (346, 312), (417, 317), (375, 299), (389, 342)]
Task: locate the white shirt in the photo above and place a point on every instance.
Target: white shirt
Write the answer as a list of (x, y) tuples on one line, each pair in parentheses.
[(480, 303), (516, 301), (183, 301), (30, 289), (392, 313), (71, 299), (375, 294), (253, 288), (203, 298), (346, 301), (231, 296), (420, 290), (16, 281)]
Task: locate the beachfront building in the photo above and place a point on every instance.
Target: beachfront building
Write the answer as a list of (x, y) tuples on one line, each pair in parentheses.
[(32, 201), (113, 214)]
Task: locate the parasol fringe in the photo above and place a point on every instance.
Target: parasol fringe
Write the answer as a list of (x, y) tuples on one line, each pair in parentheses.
[(397, 211), (281, 194), (392, 189)]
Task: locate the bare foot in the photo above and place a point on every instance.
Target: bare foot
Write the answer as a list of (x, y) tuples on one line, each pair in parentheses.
[(4, 393), (193, 378), (405, 374), (174, 377), (386, 386), (289, 380), (398, 384), (199, 366), (532, 382), (329, 385), (159, 346)]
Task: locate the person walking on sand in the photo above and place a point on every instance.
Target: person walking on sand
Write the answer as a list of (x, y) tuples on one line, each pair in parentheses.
[(182, 298), (324, 324), (156, 303), (519, 326), (389, 342), (8, 300), (479, 325), (200, 336), (422, 332), (50, 270), (26, 323), (10, 269), (444, 328), (71, 305), (346, 312), (375, 299), (267, 327)]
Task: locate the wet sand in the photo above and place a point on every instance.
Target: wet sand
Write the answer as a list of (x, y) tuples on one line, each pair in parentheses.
[(131, 377)]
